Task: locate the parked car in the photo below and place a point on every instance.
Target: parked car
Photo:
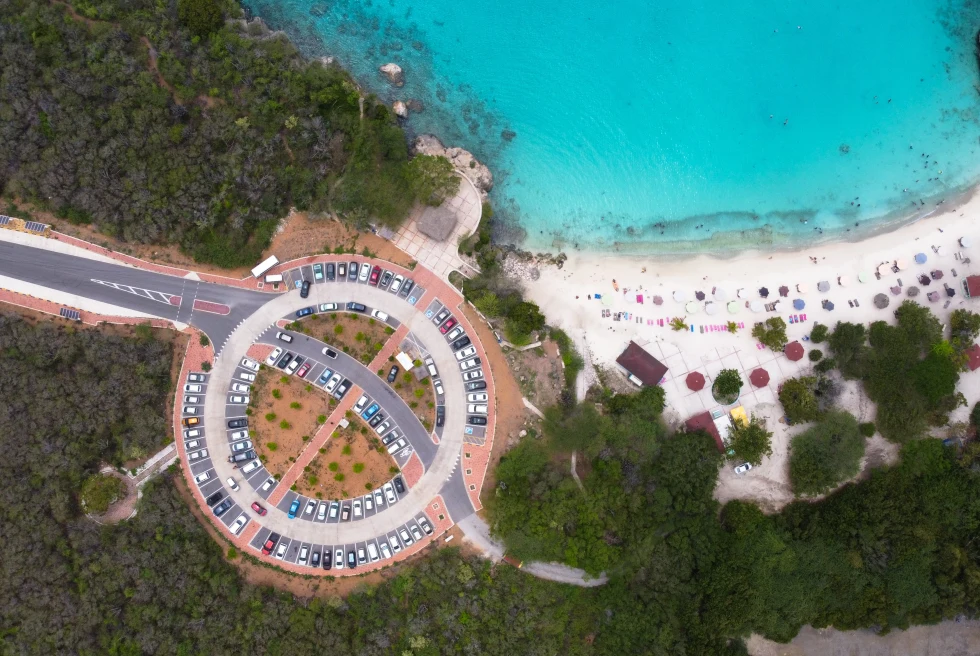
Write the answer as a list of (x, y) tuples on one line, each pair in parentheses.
[(356, 307), (293, 507), (271, 360), (270, 543), (304, 312), (397, 446), (232, 483), (481, 397), (285, 360), (195, 378), (476, 420), (368, 502), (395, 544), (294, 364), (345, 513), (399, 485), (390, 437), (476, 385), (193, 444), (440, 415), (331, 271), (321, 511), (339, 559), (364, 273), (305, 369), (382, 427), (242, 457), (215, 498), (190, 421), (466, 353), (324, 377), (357, 509), (454, 333), (341, 270), (449, 325), (269, 482), (371, 411), (237, 399), (406, 538), (332, 385), (318, 272), (351, 560), (329, 352), (239, 524), (375, 275), (310, 507), (379, 499), (240, 387), (198, 455), (472, 363), (744, 467), (193, 432), (352, 272), (439, 389), (329, 307), (424, 523), (376, 419), (192, 399), (379, 315), (244, 375), (252, 466), (243, 445), (462, 342), (474, 374), (190, 410), (315, 559), (258, 508), (334, 509), (200, 478), (193, 388), (406, 288), (361, 403), (396, 284), (304, 289), (440, 316), (281, 551), (416, 533), (386, 279), (361, 556), (250, 364), (476, 408), (342, 389), (385, 550), (238, 423)]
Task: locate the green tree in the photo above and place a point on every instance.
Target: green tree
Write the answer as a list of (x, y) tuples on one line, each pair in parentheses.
[(935, 377), (100, 491), (818, 334), (919, 323), (728, 384), (848, 343), (964, 327), (799, 400), (750, 442), (826, 454), (201, 17), (432, 179), (772, 333), (523, 319)]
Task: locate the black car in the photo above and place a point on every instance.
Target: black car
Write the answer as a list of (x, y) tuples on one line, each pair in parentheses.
[(476, 420), (440, 415), (331, 271), (284, 360), (351, 559), (377, 419), (222, 507), (327, 558), (237, 423), (462, 342), (399, 486), (304, 289), (476, 385), (356, 307), (407, 287), (315, 559), (352, 272), (386, 278), (393, 374), (215, 498)]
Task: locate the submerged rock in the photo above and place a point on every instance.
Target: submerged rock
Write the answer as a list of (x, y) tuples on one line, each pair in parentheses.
[(415, 105), (400, 109), (394, 74), (507, 135), (463, 160)]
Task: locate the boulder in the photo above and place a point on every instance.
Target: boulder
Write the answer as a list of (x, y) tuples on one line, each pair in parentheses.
[(415, 105), (394, 74), (401, 109), (462, 160)]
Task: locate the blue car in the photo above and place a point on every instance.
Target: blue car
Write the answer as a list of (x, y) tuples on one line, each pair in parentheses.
[(324, 377), (370, 412), (305, 312), (293, 508)]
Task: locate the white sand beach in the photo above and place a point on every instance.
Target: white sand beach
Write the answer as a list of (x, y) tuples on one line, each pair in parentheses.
[(564, 296)]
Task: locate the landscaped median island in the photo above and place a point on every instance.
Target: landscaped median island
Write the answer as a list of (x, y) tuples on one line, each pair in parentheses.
[(417, 393), (352, 462), (356, 335)]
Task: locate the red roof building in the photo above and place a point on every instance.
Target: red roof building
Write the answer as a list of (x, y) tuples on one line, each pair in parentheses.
[(971, 285), (638, 362), (704, 422), (973, 357)]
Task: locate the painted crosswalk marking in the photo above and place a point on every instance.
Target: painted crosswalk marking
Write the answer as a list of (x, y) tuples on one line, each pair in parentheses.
[(159, 297)]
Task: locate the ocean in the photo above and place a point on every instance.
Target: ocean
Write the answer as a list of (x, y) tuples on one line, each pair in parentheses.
[(679, 126)]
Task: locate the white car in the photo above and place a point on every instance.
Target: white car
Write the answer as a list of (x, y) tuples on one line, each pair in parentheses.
[(188, 410), (252, 466), (439, 390), (332, 385), (293, 366), (368, 502), (472, 363), (372, 552), (238, 400), (232, 483), (338, 562), (416, 533), (284, 337), (244, 445), (379, 315), (365, 272), (239, 524), (200, 478), (192, 399), (361, 402), (382, 427), (744, 467), (199, 455), (396, 284), (250, 364), (193, 388), (389, 493), (385, 550), (310, 507), (379, 499), (281, 551), (192, 432), (239, 435), (247, 376), (475, 409), (357, 508), (329, 307), (269, 482), (454, 333), (193, 444), (395, 447), (475, 374), (240, 387), (321, 511), (406, 538), (395, 545), (477, 398), (271, 360), (304, 553), (466, 352)]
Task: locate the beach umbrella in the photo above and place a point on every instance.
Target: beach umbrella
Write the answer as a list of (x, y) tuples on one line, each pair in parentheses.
[(823, 286), (629, 297), (783, 291), (764, 292), (902, 264), (802, 287), (798, 304), (711, 308), (949, 290), (699, 295), (692, 307), (720, 294), (912, 291), (680, 296), (828, 306), (794, 351), (920, 258), (695, 381), (966, 242), (924, 280), (884, 269), (864, 276), (937, 275), (759, 377), (843, 281), (732, 307), (755, 306), (881, 301), (941, 251), (933, 296), (658, 300), (607, 300), (896, 290), (740, 293)]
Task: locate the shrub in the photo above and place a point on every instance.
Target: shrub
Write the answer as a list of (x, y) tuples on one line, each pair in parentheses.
[(284, 379), (272, 446), (338, 329), (312, 480), (369, 486), (346, 450), (100, 491), (867, 429), (393, 470), (419, 393), (339, 478), (772, 333), (815, 355), (295, 405), (285, 425), (204, 340), (818, 335), (358, 467), (826, 454), (799, 400), (270, 416), (333, 466), (321, 419), (678, 324), (205, 366), (751, 442), (232, 553), (360, 337), (306, 438), (276, 394), (975, 416), (407, 376), (825, 365)]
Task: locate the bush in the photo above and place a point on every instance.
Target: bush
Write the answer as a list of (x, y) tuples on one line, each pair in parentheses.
[(270, 416), (799, 400), (728, 382), (321, 419), (358, 467), (825, 365), (276, 394), (285, 425), (272, 446), (818, 335), (232, 553), (826, 454), (295, 405), (750, 443), (772, 333), (333, 466), (205, 366), (867, 429), (101, 491), (338, 329), (815, 355), (204, 340), (346, 450), (339, 478), (201, 17)]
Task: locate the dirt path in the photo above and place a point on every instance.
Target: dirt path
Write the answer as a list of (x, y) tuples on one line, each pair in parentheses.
[(945, 639)]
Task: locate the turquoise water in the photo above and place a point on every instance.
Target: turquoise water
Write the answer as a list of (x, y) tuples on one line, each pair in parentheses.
[(679, 125)]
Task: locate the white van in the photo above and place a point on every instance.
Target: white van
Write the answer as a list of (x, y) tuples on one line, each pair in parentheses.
[(273, 277), (200, 478), (251, 467), (478, 409), (372, 552), (192, 433)]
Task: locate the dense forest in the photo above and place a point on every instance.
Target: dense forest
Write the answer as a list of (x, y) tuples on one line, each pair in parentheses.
[(164, 122)]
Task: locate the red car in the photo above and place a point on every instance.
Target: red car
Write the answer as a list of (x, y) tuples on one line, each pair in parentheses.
[(375, 275), (259, 509), (446, 327), (270, 544), (305, 369)]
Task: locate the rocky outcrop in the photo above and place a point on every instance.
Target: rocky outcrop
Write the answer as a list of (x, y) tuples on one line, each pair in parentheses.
[(394, 74), (415, 105), (400, 109), (463, 160)]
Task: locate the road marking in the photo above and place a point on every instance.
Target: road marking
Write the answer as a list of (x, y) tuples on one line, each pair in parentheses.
[(159, 297)]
